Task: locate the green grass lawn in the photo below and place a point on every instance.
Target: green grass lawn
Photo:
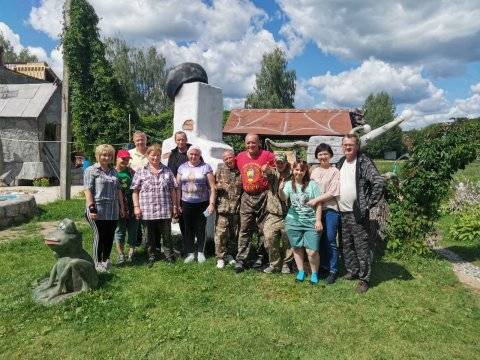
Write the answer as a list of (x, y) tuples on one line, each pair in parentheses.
[(385, 166), (416, 309)]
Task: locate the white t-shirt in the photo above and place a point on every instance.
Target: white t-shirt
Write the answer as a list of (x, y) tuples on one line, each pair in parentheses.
[(348, 190)]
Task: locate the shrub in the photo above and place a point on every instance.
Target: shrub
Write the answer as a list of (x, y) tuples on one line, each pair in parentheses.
[(43, 182), (467, 226)]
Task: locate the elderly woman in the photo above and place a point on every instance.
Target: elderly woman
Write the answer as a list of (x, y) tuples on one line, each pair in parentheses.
[(328, 179), (197, 193), (103, 201), (155, 201)]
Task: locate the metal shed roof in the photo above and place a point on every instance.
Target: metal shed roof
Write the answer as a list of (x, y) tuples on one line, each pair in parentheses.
[(24, 100), (289, 122)]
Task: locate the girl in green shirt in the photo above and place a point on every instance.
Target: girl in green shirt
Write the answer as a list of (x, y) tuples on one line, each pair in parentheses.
[(303, 223)]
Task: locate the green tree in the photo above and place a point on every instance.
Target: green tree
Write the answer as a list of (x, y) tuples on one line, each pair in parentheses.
[(274, 84), (379, 109), (10, 56), (142, 72), (99, 106)]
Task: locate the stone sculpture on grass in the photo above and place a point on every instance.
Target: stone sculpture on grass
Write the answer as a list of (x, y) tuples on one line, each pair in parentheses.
[(74, 270)]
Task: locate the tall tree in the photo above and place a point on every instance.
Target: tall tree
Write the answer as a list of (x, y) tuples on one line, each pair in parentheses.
[(142, 72), (274, 84), (10, 56), (379, 109), (99, 106)]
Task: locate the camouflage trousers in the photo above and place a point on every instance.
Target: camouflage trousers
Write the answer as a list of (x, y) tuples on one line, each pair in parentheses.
[(226, 235), (356, 250), (253, 211)]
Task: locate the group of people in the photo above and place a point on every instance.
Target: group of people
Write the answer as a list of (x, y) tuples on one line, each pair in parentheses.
[(270, 214)]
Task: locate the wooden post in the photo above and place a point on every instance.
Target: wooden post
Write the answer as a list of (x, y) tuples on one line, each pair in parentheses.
[(66, 131)]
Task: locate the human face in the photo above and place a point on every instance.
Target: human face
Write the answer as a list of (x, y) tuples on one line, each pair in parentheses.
[(229, 160), (122, 163), (252, 144), (350, 148), (104, 159), (298, 173), (140, 142), (181, 141), (194, 157), (324, 159), (281, 165), (154, 158)]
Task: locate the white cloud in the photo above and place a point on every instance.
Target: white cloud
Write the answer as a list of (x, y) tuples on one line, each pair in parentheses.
[(350, 88), (434, 33), (469, 108), (225, 36), (48, 17), (54, 59), (11, 37)]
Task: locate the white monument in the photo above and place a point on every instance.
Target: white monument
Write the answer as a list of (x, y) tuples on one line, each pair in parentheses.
[(198, 112)]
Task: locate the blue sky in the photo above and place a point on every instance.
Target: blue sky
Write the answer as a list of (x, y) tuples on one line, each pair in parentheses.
[(426, 55)]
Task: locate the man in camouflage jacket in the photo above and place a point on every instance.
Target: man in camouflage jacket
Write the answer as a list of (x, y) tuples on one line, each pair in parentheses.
[(276, 241), (229, 191), (361, 187)]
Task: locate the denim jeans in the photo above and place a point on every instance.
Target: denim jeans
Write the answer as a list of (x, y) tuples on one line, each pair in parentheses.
[(328, 243)]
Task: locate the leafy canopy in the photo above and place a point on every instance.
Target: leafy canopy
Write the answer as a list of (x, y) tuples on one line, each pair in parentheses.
[(99, 106), (379, 109), (274, 84), (10, 56), (143, 74)]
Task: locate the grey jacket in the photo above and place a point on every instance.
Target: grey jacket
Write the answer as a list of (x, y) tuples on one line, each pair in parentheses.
[(369, 184)]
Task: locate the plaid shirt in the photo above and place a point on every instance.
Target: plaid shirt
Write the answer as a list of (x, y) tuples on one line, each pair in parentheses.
[(104, 187), (154, 192)]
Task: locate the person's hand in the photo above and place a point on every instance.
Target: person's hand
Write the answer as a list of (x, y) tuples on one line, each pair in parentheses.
[(210, 209), (175, 212), (123, 214), (138, 212), (318, 226), (92, 216), (312, 203)]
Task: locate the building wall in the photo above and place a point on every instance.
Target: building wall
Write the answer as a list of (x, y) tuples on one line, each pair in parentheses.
[(11, 77)]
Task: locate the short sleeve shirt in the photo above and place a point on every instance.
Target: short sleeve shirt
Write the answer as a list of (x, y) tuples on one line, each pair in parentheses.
[(154, 192), (138, 160), (329, 182), (104, 187), (300, 215), (125, 181), (253, 179), (194, 182)]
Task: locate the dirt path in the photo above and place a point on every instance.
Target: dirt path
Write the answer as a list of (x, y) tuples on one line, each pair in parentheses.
[(466, 272)]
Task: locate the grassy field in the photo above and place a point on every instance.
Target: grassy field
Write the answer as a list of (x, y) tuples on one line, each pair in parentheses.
[(416, 309)]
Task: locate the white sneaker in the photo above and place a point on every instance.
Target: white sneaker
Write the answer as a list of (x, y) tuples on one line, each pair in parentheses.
[(230, 260), (220, 264), (107, 264), (190, 258), (201, 257), (100, 267)]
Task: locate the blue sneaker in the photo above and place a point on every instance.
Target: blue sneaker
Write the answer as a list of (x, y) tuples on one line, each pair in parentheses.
[(300, 276), (314, 278)]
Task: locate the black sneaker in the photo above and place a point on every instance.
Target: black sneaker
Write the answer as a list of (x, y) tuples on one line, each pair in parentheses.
[(331, 278), (239, 267)]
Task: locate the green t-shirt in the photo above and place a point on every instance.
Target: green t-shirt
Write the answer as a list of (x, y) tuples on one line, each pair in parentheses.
[(125, 181), (300, 215)]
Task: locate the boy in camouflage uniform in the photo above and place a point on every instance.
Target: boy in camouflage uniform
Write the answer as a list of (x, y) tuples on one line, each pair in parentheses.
[(276, 241), (229, 191)]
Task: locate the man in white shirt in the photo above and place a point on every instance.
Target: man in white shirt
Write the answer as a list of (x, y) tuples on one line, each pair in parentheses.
[(139, 153), (361, 187)]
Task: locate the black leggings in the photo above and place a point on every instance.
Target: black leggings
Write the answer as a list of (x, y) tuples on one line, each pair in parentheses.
[(195, 223), (103, 233)]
